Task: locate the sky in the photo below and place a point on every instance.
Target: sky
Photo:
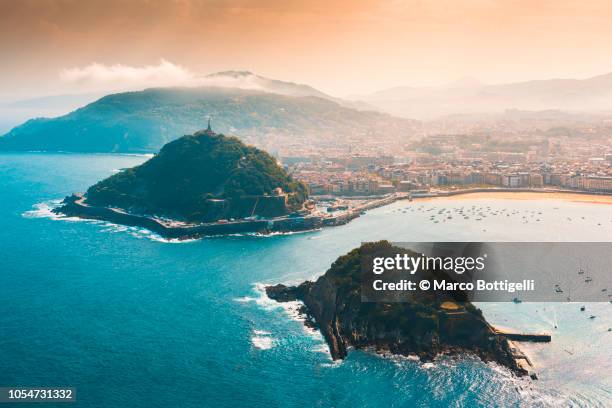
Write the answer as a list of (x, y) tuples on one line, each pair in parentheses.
[(341, 47)]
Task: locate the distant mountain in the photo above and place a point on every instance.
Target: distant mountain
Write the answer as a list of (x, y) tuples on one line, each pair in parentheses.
[(586, 95), (202, 177), (66, 102), (144, 121), (249, 80), (15, 112)]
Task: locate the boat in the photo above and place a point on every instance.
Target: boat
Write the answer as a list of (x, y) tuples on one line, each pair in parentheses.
[(582, 308), (592, 316)]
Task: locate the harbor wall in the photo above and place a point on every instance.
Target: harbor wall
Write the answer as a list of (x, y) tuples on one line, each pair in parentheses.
[(74, 207)]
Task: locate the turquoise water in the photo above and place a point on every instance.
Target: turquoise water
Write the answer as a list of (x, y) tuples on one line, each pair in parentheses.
[(129, 320)]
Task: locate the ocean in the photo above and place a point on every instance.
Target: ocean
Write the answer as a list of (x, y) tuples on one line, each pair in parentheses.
[(131, 320)]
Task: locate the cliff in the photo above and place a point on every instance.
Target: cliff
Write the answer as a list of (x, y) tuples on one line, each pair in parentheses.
[(421, 326)]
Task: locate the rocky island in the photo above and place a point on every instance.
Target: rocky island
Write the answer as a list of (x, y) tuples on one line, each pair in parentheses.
[(428, 325), (200, 184)]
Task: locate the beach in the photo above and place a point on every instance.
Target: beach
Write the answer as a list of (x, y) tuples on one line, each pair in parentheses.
[(531, 195), (97, 303)]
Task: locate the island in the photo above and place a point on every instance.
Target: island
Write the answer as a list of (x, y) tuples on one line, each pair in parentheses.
[(427, 325), (200, 184)]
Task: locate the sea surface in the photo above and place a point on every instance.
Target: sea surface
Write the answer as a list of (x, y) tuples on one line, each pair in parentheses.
[(131, 320)]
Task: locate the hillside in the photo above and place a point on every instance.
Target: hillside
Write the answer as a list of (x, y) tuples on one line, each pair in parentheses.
[(202, 177), (249, 80), (416, 324), (137, 122), (471, 97)]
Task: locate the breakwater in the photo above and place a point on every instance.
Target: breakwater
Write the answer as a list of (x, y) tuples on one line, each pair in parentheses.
[(525, 337), (349, 215), (75, 206)]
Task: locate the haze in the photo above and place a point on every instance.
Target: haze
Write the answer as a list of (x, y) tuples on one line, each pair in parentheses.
[(342, 47)]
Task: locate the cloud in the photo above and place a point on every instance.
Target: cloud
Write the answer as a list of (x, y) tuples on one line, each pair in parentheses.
[(119, 77), (97, 76)]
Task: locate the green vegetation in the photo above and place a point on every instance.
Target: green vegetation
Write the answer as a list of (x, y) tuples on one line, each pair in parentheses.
[(142, 122), (339, 305), (347, 275), (202, 177)]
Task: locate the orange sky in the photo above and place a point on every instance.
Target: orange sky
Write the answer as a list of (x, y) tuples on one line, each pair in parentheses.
[(340, 47)]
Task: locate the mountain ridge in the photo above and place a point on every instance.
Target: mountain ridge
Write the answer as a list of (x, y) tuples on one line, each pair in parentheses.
[(143, 121), (569, 94)]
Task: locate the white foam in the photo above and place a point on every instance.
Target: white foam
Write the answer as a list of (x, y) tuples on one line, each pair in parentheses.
[(261, 299), (262, 343), (263, 340), (291, 309), (322, 348), (244, 299), (44, 210), (273, 234)]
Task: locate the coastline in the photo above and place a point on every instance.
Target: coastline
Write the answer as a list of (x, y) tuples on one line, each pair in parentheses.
[(574, 196), (316, 307), (75, 206)]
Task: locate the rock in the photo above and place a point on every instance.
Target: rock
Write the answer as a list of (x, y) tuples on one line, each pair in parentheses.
[(418, 327)]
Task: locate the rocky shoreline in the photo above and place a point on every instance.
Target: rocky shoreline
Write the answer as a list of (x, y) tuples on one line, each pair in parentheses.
[(76, 206), (423, 327)]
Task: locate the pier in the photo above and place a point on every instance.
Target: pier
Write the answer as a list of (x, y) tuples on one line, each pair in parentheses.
[(534, 338)]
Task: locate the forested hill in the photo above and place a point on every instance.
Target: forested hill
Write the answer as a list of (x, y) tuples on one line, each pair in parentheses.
[(141, 122), (203, 177)]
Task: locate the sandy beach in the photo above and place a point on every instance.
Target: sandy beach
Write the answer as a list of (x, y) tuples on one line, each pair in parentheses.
[(535, 195)]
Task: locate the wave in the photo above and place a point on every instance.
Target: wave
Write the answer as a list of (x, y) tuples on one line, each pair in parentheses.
[(292, 309), (262, 343), (45, 210), (278, 233), (263, 340)]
